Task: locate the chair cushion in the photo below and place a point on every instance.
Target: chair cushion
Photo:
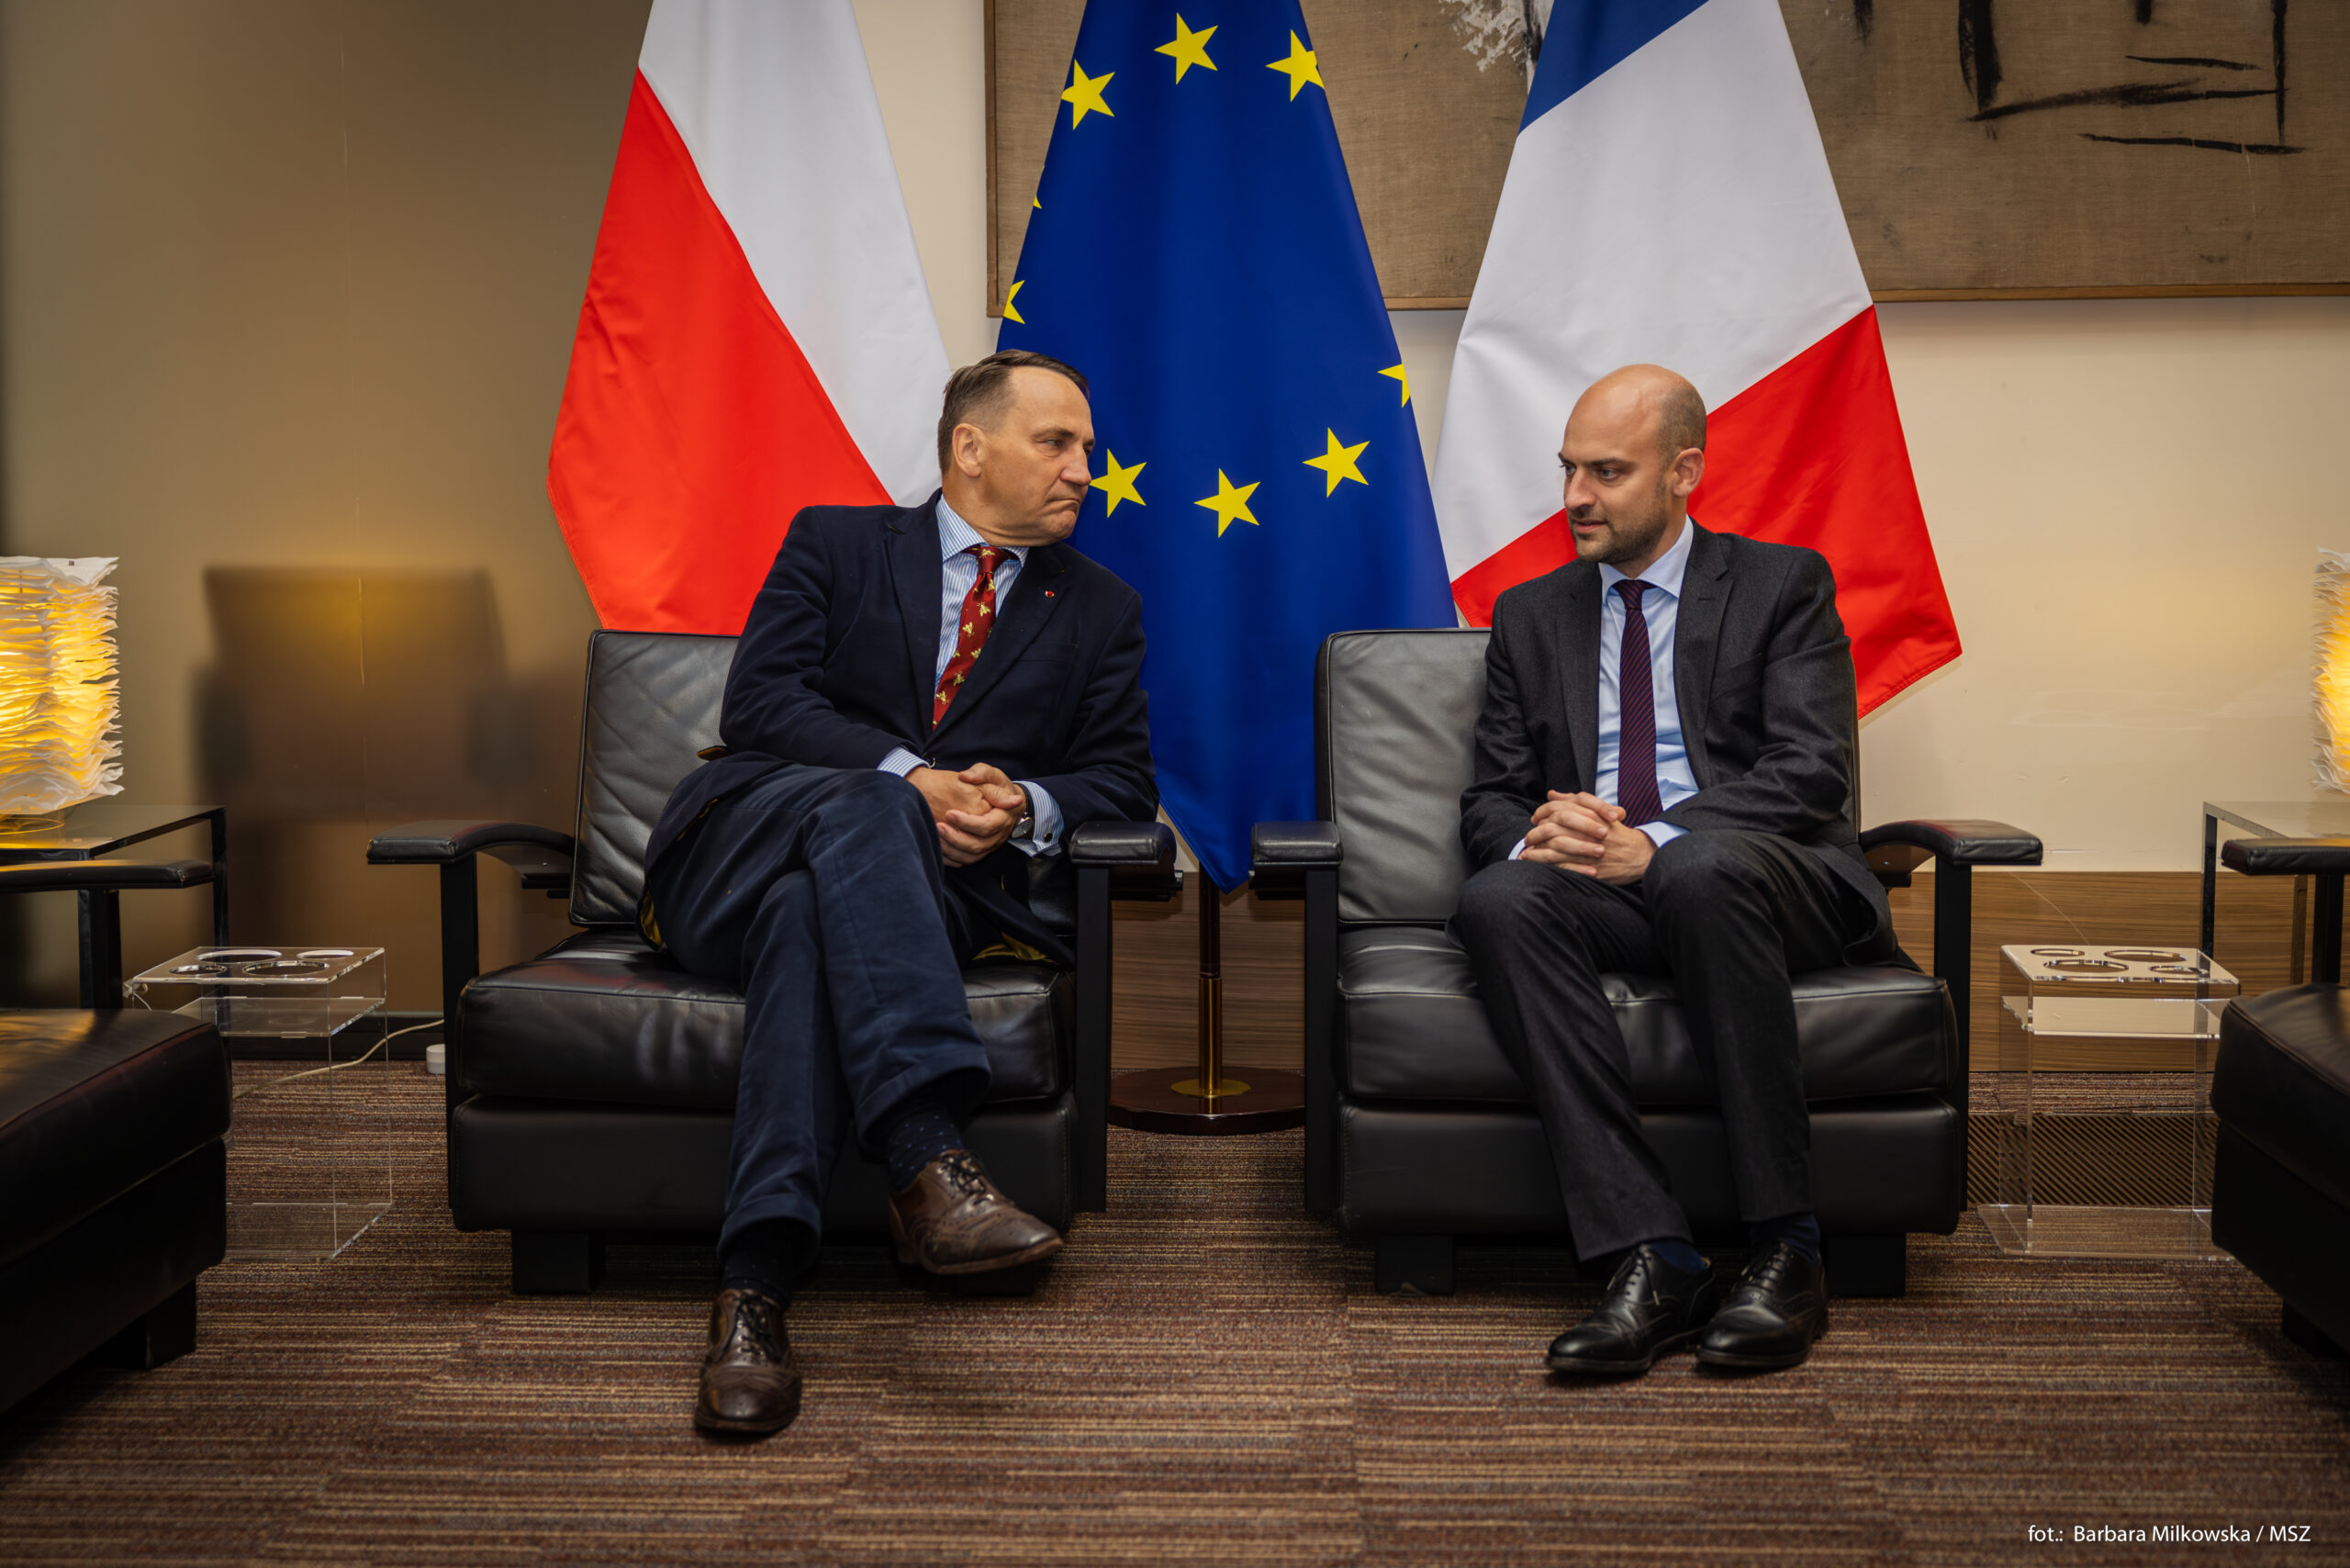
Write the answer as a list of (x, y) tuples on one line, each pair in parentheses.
[(603, 1016), (1415, 1028), (93, 1104), (2282, 1080)]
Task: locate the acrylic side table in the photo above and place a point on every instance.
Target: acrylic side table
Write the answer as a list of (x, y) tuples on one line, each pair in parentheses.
[(2068, 1126), (306, 1178)]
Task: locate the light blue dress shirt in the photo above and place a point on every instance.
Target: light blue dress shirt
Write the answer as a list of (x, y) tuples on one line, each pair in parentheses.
[(1660, 609), (957, 573)]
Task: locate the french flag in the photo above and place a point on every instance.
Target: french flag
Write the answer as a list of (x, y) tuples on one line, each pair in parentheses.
[(1669, 202), (756, 335)]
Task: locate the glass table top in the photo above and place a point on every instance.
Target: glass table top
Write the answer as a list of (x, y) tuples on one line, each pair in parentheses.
[(92, 829), (2325, 817)]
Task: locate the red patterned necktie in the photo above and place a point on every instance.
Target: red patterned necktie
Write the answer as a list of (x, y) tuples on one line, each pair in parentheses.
[(1636, 788), (978, 619)]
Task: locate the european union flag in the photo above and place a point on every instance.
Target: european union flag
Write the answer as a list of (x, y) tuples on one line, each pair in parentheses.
[(1197, 254)]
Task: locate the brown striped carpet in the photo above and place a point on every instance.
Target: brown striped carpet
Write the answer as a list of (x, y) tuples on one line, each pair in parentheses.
[(1206, 1376)]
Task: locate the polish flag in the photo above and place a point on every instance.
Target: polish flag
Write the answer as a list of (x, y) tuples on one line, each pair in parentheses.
[(1668, 202), (757, 336)]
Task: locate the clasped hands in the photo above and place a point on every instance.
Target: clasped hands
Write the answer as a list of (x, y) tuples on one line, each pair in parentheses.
[(976, 810), (1582, 832)]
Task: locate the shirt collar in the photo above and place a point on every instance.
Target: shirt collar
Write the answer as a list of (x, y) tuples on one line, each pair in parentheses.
[(1664, 573), (954, 536)]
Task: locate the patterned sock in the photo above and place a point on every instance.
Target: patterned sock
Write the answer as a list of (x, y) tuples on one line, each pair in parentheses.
[(921, 1133), (1799, 1231), (766, 1255), (1680, 1254)]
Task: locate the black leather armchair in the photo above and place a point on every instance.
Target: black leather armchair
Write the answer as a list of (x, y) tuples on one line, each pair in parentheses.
[(2280, 1089), (1417, 1129), (591, 1089)]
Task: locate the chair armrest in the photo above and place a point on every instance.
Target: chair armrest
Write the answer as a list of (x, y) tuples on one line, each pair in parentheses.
[(540, 853), (444, 840), (1280, 854), (1111, 860), (2287, 857), (1139, 857), (1301, 860), (47, 876), (1900, 847)]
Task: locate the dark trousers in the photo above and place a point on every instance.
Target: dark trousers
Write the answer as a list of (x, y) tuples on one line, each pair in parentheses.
[(818, 891), (1729, 916)]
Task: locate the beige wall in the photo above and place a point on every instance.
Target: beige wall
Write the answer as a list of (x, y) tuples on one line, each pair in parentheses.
[(287, 291)]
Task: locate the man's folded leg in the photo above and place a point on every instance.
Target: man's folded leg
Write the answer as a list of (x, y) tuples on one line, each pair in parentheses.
[(818, 891)]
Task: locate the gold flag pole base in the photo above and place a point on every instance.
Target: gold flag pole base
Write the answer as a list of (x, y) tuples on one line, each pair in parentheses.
[(1204, 1099), (1165, 1100)]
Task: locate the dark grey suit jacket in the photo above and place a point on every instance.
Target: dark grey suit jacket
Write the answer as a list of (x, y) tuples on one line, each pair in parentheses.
[(1764, 675)]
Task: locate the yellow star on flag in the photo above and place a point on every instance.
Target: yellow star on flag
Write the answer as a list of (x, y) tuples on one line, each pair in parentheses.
[(1083, 95), (1012, 311), (1401, 380), (1188, 48), (1300, 68), (1338, 462), (1230, 503), (1118, 484)]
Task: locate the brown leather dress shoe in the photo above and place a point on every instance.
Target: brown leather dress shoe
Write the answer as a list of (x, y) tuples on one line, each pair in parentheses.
[(749, 1380), (952, 1220)]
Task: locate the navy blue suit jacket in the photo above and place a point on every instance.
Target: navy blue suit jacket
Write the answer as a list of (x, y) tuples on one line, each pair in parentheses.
[(835, 669)]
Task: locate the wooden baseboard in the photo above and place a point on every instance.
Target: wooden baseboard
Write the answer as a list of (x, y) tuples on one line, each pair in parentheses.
[(1157, 953)]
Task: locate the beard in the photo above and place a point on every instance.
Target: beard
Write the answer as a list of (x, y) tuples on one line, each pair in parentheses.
[(1630, 533)]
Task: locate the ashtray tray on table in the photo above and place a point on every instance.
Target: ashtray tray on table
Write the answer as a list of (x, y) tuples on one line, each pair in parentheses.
[(309, 1149)]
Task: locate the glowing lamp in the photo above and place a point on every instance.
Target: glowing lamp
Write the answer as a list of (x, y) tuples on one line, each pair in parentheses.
[(58, 707)]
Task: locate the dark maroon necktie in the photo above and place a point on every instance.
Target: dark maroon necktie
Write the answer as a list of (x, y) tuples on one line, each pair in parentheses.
[(1636, 716)]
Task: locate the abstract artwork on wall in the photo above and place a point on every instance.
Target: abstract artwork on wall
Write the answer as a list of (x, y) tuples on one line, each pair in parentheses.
[(1982, 148)]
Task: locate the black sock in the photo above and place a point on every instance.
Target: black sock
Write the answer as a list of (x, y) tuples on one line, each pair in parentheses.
[(1679, 1253), (1798, 1231), (766, 1255), (920, 1133)]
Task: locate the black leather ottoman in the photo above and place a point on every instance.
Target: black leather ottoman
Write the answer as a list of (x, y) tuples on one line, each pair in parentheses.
[(113, 1161), (2280, 1192)]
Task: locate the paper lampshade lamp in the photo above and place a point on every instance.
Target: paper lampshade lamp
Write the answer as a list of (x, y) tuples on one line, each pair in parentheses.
[(58, 707)]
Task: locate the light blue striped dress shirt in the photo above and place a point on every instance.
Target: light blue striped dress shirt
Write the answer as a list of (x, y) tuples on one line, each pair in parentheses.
[(1660, 609)]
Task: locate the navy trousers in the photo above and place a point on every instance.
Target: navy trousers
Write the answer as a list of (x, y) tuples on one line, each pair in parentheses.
[(818, 890), (1729, 916)]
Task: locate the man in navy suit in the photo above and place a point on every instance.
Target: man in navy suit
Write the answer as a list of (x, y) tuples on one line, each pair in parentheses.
[(925, 701)]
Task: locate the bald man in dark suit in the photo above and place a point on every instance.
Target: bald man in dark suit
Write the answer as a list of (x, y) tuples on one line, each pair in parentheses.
[(1663, 785)]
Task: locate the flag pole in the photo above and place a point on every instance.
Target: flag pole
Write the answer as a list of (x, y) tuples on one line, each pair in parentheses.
[(1202, 1099), (1209, 1084)]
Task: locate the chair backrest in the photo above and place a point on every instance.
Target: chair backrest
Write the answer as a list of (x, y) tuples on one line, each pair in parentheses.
[(653, 701), (1394, 712)]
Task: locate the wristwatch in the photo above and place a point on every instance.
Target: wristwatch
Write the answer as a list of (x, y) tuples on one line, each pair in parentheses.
[(1025, 828)]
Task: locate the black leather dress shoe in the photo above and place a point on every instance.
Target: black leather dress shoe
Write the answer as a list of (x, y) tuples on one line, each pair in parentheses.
[(749, 1380), (1776, 1309), (1650, 1308)]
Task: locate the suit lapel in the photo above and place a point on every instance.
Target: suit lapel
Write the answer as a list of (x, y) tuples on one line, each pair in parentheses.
[(1579, 669), (915, 576), (1704, 593), (1036, 594)]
